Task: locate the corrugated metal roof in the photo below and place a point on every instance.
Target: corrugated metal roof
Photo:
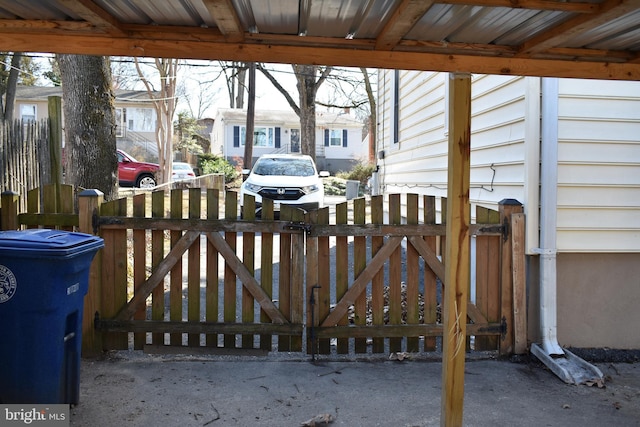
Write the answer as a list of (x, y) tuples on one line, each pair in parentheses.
[(507, 36)]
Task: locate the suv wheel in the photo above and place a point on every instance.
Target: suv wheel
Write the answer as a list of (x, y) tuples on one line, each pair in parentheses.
[(146, 181)]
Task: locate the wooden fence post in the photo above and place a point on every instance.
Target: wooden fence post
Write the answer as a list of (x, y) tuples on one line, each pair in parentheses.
[(9, 203), (89, 202), (507, 208)]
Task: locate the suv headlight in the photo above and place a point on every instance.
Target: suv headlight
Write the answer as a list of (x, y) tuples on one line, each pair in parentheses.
[(310, 189), (252, 187)]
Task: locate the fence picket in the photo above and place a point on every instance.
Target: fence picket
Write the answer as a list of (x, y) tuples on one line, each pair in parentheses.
[(175, 278), (157, 255), (377, 283), (248, 259), (359, 264), (430, 279), (284, 282), (413, 269), (266, 269), (230, 209), (139, 264), (212, 291), (342, 272), (323, 293), (395, 276), (193, 270)]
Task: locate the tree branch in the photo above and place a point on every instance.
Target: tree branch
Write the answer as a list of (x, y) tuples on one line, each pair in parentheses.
[(281, 89)]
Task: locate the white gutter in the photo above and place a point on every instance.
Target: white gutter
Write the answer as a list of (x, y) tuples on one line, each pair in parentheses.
[(548, 216), (570, 368)]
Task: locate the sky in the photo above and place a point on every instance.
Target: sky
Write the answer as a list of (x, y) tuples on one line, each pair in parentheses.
[(194, 71)]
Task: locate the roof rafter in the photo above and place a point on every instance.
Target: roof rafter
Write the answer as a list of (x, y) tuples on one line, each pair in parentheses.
[(401, 21), (223, 12), (608, 11), (94, 14), (576, 7)]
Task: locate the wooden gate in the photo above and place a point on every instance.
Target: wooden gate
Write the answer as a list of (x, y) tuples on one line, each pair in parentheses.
[(179, 270)]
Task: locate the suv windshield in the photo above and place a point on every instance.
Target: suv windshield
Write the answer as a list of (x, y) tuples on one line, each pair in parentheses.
[(288, 166)]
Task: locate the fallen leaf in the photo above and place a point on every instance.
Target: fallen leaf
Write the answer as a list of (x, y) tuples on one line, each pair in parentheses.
[(321, 420)]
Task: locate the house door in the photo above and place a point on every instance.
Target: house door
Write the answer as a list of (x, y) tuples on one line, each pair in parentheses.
[(295, 140)]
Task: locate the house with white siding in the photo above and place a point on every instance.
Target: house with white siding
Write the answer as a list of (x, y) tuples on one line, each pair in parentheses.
[(135, 117), (569, 151), (339, 142)]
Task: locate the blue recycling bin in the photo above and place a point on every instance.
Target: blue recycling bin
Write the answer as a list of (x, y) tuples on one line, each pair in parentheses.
[(44, 276)]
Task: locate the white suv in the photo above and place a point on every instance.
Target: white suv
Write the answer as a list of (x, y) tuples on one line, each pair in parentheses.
[(287, 179)]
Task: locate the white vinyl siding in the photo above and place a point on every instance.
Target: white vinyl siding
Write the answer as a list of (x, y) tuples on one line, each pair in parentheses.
[(598, 151), (419, 162), (599, 166)]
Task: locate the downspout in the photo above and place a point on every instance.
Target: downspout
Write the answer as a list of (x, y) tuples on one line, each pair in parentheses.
[(548, 217), (568, 367)]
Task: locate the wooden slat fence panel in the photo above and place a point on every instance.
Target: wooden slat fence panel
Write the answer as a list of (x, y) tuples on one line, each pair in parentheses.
[(365, 300), (487, 276)]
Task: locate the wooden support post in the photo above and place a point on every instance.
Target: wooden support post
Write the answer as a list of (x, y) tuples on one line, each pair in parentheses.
[(457, 252), (89, 202), (519, 284), (9, 204), (507, 208)]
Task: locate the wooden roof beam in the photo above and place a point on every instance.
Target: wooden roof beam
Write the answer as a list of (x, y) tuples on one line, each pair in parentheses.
[(227, 20), (556, 36), (91, 12), (577, 7), (401, 21)]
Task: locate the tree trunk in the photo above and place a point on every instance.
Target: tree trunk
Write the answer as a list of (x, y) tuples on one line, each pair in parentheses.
[(240, 85), (307, 88), (88, 99), (12, 83)]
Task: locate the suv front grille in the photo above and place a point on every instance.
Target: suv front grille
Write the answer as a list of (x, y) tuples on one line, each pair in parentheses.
[(281, 193)]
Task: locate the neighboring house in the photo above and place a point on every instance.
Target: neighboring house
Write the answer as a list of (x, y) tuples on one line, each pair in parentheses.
[(135, 117), (339, 144), (593, 127)]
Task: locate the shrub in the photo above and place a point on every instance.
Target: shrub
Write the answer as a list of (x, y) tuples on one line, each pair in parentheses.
[(360, 172), (210, 163)]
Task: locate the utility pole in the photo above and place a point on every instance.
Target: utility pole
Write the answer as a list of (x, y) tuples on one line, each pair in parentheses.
[(251, 109)]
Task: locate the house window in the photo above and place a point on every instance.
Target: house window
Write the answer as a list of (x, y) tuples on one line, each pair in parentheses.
[(336, 137), (266, 137), (119, 122), (28, 112), (141, 119)]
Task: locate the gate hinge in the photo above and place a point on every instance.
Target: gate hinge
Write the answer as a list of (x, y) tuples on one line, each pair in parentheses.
[(298, 225), (502, 229)]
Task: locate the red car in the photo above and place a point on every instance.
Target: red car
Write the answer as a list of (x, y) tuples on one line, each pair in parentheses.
[(132, 173)]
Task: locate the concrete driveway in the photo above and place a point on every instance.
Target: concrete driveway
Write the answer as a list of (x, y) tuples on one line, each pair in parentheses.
[(136, 389)]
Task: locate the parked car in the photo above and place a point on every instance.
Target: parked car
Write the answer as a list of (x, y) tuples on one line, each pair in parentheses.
[(182, 171), (132, 173), (287, 179)]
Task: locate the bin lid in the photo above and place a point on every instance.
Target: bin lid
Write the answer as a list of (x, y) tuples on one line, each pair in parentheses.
[(47, 242)]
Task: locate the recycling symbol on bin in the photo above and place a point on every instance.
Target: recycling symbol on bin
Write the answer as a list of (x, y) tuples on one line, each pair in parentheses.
[(8, 284)]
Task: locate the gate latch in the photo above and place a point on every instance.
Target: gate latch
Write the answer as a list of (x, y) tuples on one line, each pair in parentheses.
[(298, 225)]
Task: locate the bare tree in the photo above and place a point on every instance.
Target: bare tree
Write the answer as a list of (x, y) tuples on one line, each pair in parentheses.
[(164, 102), (309, 79), (236, 75), (21, 69), (89, 117)]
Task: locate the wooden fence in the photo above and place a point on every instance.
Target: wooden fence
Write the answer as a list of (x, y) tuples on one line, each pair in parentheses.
[(24, 155), (366, 276)]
